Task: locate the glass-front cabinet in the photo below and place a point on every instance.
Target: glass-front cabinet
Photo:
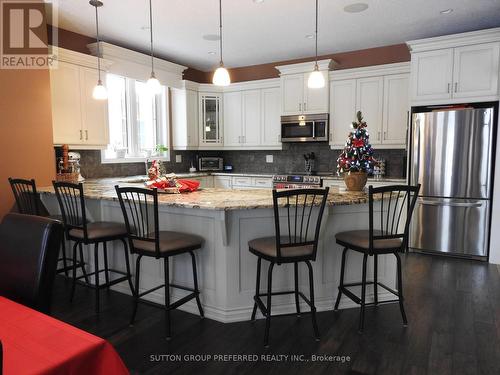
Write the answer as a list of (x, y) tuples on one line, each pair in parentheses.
[(210, 119)]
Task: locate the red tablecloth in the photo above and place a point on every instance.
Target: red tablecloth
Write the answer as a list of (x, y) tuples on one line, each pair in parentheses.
[(34, 343)]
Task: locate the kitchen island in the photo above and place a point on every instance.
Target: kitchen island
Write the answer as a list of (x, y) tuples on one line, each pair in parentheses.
[(227, 219)]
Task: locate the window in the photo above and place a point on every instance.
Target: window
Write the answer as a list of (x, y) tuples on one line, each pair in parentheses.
[(137, 119)]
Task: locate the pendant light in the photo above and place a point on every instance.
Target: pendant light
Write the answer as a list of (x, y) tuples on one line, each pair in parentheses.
[(221, 75), (153, 84), (99, 92), (316, 79)]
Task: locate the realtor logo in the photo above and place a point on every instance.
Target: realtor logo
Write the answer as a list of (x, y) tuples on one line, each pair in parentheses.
[(24, 34)]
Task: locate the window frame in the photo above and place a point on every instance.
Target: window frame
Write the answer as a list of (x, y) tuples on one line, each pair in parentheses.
[(162, 128)]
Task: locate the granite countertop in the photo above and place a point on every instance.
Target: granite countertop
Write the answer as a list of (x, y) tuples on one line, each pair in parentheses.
[(208, 198)]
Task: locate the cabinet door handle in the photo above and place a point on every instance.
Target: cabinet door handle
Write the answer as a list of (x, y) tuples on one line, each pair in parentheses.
[(385, 135), (448, 90), (456, 86), (86, 135), (300, 106), (305, 107), (81, 135)]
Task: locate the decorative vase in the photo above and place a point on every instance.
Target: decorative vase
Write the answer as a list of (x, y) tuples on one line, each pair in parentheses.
[(355, 181)]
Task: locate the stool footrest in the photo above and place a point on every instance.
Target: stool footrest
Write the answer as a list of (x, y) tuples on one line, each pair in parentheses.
[(357, 300), (263, 308)]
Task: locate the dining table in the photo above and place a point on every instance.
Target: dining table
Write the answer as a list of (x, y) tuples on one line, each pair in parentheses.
[(35, 343)]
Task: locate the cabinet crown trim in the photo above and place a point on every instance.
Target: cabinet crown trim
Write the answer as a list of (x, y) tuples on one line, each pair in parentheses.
[(455, 40), (305, 67), (114, 52), (77, 58), (370, 71)]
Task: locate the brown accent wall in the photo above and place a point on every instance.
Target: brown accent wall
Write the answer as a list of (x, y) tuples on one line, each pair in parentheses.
[(70, 40), (345, 60), (26, 149)]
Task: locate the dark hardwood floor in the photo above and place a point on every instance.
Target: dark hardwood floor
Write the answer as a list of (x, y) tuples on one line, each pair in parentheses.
[(453, 309)]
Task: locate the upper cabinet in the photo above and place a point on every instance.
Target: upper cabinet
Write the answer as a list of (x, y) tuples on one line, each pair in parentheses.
[(455, 68), (252, 118), (296, 97), (77, 118), (184, 119), (210, 121), (381, 94)]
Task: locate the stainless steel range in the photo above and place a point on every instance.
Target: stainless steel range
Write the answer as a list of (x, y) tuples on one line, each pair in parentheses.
[(293, 181)]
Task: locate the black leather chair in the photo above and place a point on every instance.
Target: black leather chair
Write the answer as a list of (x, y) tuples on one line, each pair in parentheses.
[(29, 247), (28, 202), (71, 201), (386, 234), (140, 212), (295, 242)]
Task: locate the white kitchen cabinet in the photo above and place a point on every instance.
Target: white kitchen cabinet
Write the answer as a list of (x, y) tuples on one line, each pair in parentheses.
[(205, 181), (271, 122), (432, 75), (475, 70), (184, 119), (223, 182), (342, 110), (396, 107), (233, 117), (316, 100), (77, 118), (369, 100), (298, 98), (455, 68), (292, 93), (210, 123), (252, 118)]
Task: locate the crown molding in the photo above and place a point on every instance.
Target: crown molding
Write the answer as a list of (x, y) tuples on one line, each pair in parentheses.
[(455, 40), (253, 85), (112, 52), (78, 58), (370, 71), (306, 67)]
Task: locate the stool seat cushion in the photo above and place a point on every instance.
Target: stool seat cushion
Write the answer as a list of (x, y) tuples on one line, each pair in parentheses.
[(100, 230), (170, 242), (361, 239), (267, 246)]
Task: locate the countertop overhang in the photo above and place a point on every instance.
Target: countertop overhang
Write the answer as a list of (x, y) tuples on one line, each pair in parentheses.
[(207, 198)]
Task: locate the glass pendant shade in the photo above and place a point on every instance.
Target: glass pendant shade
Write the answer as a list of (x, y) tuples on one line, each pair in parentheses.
[(221, 77), (316, 79), (154, 85), (100, 92)]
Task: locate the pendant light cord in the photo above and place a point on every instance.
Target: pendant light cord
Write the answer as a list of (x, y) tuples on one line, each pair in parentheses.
[(220, 31), (316, 36), (151, 35), (98, 46)]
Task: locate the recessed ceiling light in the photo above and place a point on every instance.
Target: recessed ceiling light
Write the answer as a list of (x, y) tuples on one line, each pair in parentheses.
[(356, 8), (309, 36), (258, 1), (446, 11), (211, 37), (211, 53)]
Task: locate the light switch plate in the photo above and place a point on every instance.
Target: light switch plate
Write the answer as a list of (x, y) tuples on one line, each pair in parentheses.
[(178, 158), (269, 159)]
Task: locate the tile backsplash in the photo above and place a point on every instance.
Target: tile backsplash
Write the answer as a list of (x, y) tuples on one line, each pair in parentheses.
[(290, 159)]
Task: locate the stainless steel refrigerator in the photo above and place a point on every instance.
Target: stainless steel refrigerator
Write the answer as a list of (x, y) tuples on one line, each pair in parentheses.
[(451, 157)]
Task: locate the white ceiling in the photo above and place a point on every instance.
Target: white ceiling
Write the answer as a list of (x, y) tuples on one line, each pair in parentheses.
[(274, 30)]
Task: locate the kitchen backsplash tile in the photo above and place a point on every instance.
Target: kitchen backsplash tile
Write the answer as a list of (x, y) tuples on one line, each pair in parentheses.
[(290, 159)]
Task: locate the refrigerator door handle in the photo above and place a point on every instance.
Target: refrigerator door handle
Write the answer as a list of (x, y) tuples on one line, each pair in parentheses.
[(451, 204)]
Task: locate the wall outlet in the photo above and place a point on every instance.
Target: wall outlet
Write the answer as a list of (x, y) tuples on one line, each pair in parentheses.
[(269, 159), (178, 158)]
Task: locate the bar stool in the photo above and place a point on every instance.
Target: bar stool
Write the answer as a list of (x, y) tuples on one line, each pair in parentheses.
[(385, 235), (140, 211), (293, 243), (28, 203), (72, 204)]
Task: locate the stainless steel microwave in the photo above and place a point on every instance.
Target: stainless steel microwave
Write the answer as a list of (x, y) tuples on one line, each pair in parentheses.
[(305, 128), (210, 164)]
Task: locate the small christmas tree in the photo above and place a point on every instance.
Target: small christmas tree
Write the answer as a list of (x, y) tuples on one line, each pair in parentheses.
[(357, 155)]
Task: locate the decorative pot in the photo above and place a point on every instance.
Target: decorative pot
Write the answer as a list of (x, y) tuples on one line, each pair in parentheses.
[(355, 181)]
